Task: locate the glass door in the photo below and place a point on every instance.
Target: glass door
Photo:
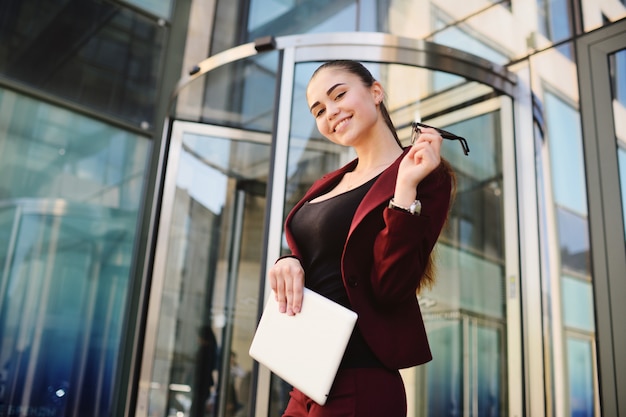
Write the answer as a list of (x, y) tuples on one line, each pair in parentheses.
[(603, 97), (207, 272), (471, 312), (219, 228)]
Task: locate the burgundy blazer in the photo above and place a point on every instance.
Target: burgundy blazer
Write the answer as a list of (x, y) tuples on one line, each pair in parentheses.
[(383, 261)]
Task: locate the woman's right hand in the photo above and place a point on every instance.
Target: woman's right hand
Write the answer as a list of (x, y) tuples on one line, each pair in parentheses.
[(287, 282)]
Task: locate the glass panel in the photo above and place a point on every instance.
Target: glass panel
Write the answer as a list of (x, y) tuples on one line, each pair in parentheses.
[(617, 64), (566, 152), (471, 270), (278, 17), (470, 380), (95, 54), (49, 152), (555, 19), (465, 312), (489, 365), (578, 315), (574, 241), (453, 36), (580, 362), (621, 155), (567, 284), (444, 378), (208, 310), (161, 8), (229, 95), (68, 216)]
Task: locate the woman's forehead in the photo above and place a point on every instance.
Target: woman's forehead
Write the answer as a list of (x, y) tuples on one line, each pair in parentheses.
[(327, 78)]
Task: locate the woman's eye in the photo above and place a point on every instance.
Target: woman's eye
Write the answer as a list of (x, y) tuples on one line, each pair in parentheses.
[(340, 95), (319, 113)]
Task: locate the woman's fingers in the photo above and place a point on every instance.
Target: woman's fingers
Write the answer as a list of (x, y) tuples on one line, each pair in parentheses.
[(287, 282), (427, 148)]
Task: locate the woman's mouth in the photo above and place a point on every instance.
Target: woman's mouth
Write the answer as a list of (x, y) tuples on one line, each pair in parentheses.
[(339, 125)]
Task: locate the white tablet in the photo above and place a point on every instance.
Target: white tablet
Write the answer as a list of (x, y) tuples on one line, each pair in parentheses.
[(304, 350)]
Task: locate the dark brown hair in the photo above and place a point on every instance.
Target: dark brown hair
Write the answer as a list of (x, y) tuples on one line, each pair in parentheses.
[(354, 67)]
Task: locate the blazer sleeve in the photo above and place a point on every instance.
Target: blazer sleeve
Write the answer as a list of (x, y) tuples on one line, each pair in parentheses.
[(402, 248)]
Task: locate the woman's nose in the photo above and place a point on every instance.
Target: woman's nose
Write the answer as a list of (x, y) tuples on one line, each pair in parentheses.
[(332, 111)]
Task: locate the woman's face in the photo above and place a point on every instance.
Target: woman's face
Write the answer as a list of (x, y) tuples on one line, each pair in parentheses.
[(345, 110)]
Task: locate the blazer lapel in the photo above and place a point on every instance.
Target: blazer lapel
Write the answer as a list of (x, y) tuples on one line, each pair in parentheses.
[(381, 191)]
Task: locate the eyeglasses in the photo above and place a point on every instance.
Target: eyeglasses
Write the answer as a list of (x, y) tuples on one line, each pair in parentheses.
[(444, 134)]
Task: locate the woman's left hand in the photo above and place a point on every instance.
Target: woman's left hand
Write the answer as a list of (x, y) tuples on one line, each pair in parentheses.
[(422, 159)]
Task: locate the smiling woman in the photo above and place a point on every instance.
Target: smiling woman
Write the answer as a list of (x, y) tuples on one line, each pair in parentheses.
[(366, 210)]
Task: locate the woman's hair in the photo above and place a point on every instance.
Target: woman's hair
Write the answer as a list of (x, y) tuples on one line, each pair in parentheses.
[(430, 269), (354, 67)]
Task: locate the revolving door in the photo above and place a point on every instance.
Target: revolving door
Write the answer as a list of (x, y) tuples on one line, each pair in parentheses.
[(243, 149)]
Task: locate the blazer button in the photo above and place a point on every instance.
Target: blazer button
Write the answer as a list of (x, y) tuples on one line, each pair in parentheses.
[(353, 282)]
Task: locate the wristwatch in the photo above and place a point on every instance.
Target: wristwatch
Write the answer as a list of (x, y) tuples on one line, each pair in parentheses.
[(415, 208)]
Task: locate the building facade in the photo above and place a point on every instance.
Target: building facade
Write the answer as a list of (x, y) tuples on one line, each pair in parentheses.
[(150, 151)]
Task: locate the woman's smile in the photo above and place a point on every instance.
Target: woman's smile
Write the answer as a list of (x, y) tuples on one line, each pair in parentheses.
[(339, 126)]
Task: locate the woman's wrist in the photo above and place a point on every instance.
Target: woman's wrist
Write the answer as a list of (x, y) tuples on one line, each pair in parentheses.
[(404, 196)]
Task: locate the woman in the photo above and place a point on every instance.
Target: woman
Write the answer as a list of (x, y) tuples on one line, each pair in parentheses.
[(363, 236)]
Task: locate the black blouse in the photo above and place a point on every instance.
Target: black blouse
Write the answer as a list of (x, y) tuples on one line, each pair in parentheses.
[(320, 230)]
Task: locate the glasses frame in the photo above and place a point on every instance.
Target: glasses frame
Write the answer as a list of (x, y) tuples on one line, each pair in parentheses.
[(444, 134)]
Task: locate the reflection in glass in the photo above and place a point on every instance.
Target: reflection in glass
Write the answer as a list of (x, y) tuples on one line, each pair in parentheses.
[(565, 141), (580, 362), (208, 308), (617, 64), (578, 316), (97, 54), (68, 215), (554, 19), (278, 18), (161, 8), (238, 94), (574, 240), (566, 284)]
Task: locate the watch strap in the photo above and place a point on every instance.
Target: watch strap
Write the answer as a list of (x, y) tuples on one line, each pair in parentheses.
[(415, 208)]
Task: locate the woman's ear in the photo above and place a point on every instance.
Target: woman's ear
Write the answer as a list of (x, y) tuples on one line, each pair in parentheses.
[(378, 93)]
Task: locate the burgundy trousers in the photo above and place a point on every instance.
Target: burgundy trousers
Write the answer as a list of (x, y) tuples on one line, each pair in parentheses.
[(361, 392)]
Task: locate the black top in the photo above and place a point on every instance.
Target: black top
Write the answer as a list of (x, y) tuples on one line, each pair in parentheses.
[(320, 230)]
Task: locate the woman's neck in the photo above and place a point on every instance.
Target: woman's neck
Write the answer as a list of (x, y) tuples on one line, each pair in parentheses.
[(377, 153)]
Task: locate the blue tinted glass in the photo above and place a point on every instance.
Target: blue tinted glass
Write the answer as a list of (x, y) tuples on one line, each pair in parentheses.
[(471, 283), (581, 376), (466, 370), (93, 53), (278, 18), (566, 154), (454, 36), (489, 371), (161, 8), (64, 293), (445, 372), (618, 77), (618, 87), (621, 155), (577, 304), (70, 191), (554, 19)]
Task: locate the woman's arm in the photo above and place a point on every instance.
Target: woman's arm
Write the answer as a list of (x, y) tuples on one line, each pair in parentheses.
[(402, 248)]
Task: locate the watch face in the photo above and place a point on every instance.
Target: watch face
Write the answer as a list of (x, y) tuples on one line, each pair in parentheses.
[(416, 207)]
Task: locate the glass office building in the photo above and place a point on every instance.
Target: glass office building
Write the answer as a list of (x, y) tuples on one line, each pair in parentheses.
[(150, 151)]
